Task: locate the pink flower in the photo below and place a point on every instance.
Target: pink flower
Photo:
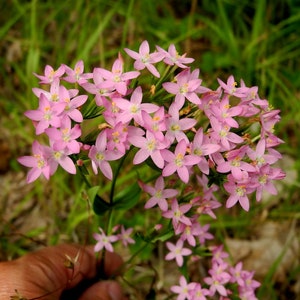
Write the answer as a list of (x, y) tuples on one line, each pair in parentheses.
[(218, 278), (201, 146), (104, 241), (221, 134), (183, 289), (65, 137), (171, 57), (259, 155), (249, 285), (238, 192), (218, 254), (124, 236), (198, 293), (235, 164), (189, 233), (145, 59), (50, 74), (38, 162), (179, 161), (268, 120), (176, 213), (236, 274), (76, 74), (231, 89), (116, 77), (225, 113), (118, 138), (177, 126), (159, 194), (60, 157), (184, 88), (47, 114), (100, 156), (132, 109), (203, 234), (155, 123), (101, 88), (262, 181), (177, 251), (72, 103), (53, 94), (149, 146)]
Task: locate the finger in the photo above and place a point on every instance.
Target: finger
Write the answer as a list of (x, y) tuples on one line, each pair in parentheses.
[(105, 290), (50, 274)]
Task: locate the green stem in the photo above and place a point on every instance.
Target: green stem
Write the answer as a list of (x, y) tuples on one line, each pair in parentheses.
[(110, 212), (136, 254), (88, 184), (113, 184)]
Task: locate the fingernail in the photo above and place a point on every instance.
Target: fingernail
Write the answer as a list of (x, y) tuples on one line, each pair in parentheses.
[(114, 291)]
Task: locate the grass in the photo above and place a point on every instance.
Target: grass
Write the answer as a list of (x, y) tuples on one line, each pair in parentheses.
[(255, 40)]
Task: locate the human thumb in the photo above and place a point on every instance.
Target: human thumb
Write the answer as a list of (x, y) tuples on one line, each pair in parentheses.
[(104, 290)]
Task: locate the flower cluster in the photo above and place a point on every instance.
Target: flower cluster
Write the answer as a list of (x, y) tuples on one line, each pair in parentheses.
[(221, 274), (196, 140)]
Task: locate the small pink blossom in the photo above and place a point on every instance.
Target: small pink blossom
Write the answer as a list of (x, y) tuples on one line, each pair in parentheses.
[(77, 74), (132, 109), (149, 146), (239, 192), (183, 289), (177, 214), (225, 113), (235, 164), (50, 74), (221, 134), (201, 147), (101, 88), (61, 158), (100, 156), (179, 161), (171, 57), (184, 88), (218, 278), (116, 77), (176, 125), (104, 241), (231, 87), (145, 59), (47, 114), (38, 162), (65, 137), (124, 236), (198, 293), (177, 251), (156, 122), (158, 194)]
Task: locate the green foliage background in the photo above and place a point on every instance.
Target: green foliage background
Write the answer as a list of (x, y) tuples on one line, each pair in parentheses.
[(257, 41)]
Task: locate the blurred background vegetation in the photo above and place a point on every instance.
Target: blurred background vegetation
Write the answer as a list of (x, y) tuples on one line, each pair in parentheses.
[(257, 41)]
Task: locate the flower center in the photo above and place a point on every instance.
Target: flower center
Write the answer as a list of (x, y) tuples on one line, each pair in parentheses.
[(184, 88), (134, 109), (240, 191), (179, 160), (99, 156), (151, 145)]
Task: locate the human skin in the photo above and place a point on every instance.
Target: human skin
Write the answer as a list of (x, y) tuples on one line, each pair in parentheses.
[(43, 275)]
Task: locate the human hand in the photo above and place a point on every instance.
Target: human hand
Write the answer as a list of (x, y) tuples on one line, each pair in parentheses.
[(43, 275)]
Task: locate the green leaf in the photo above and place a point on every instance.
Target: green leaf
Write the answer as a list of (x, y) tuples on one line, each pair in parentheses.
[(90, 110), (100, 206), (164, 236), (128, 197)]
